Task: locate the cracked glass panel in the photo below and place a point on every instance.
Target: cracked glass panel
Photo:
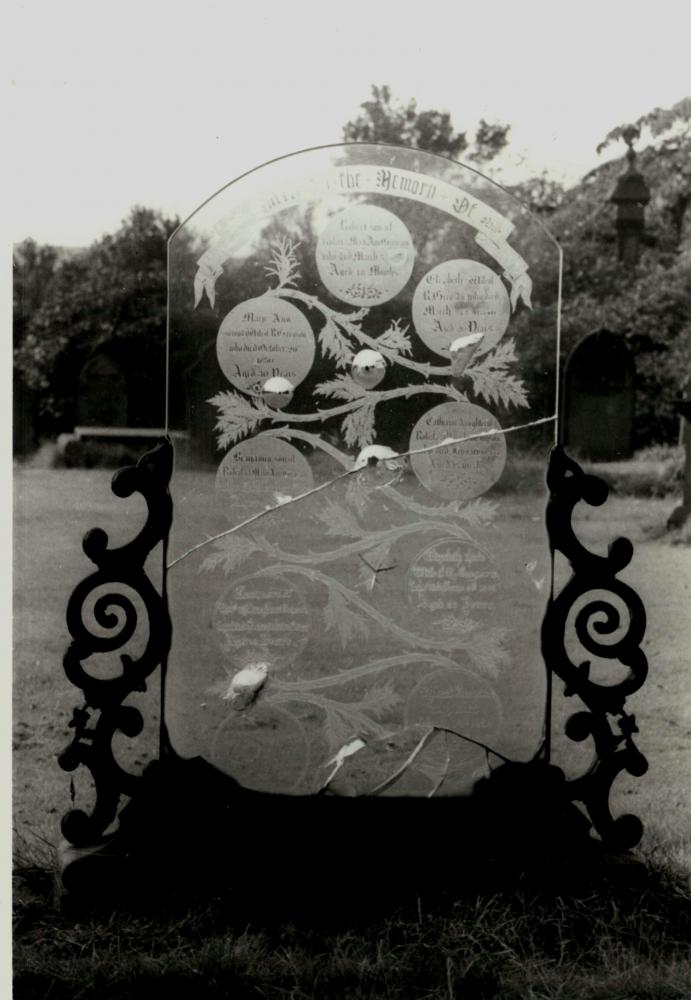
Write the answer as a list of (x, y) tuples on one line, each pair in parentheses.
[(359, 562)]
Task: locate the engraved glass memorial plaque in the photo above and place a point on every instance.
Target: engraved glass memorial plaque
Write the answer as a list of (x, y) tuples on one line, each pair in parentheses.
[(358, 562)]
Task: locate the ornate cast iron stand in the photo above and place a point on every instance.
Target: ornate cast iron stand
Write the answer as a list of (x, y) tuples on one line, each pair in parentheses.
[(186, 809), (119, 570), (605, 718)]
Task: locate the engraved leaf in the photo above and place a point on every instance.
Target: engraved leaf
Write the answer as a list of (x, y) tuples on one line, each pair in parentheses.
[(358, 426), (229, 553), (503, 355), (339, 617), (492, 381), (487, 650), (381, 699), (357, 495), (342, 387), (284, 263), (237, 416), (353, 317), (339, 521), (498, 387), (396, 338), (334, 344), (479, 512)]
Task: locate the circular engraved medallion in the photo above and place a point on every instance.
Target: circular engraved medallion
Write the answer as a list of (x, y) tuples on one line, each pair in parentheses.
[(264, 338), (264, 749), (456, 699), (453, 585), (365, 255), (258, 473), (262, 620), (457, 471), (460, 297)]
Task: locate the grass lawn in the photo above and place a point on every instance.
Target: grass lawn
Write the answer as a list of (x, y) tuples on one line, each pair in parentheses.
[(618, 945)]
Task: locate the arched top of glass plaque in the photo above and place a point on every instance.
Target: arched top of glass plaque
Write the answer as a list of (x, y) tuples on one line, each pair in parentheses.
[(358, 563), (313, 174)]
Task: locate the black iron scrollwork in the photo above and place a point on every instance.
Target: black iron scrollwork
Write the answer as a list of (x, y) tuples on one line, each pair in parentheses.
[(609, 621), (115, 618)]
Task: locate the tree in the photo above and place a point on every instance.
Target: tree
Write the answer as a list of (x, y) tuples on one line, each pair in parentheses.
[(385, 119), (110, 297), (660, 122), (33, 267), (650, 305), (541, 194)]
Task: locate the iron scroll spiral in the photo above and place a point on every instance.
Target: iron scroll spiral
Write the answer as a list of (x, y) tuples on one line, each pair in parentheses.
[(609, 624), (122, 597)]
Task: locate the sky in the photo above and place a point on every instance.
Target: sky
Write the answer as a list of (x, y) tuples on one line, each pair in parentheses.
[(160, 104)]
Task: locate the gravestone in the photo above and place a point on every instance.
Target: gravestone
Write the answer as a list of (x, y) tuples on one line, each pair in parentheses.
[(199, 382), (357, 586), (364, 603), (599, 398), (102, 396)]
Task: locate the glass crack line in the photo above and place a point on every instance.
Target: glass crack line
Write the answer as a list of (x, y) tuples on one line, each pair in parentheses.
[(494, 432), (349, 472)]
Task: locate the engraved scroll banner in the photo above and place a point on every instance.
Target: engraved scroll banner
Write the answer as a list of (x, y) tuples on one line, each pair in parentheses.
[(492, 228)]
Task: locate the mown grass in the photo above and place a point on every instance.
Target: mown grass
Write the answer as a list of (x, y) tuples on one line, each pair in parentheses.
[(604, 943), (616, 941), (653, 472)]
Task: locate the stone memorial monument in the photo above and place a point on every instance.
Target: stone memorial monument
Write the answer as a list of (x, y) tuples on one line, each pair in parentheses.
[(358, 581), (599, 392)]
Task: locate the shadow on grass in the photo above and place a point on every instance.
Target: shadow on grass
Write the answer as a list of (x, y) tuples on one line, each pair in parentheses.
[(528, 939)]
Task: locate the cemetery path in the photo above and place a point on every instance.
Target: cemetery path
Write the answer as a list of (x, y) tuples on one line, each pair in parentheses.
[(53, 509)]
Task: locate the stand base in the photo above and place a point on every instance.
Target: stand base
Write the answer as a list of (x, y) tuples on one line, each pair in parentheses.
[(192, 833)]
